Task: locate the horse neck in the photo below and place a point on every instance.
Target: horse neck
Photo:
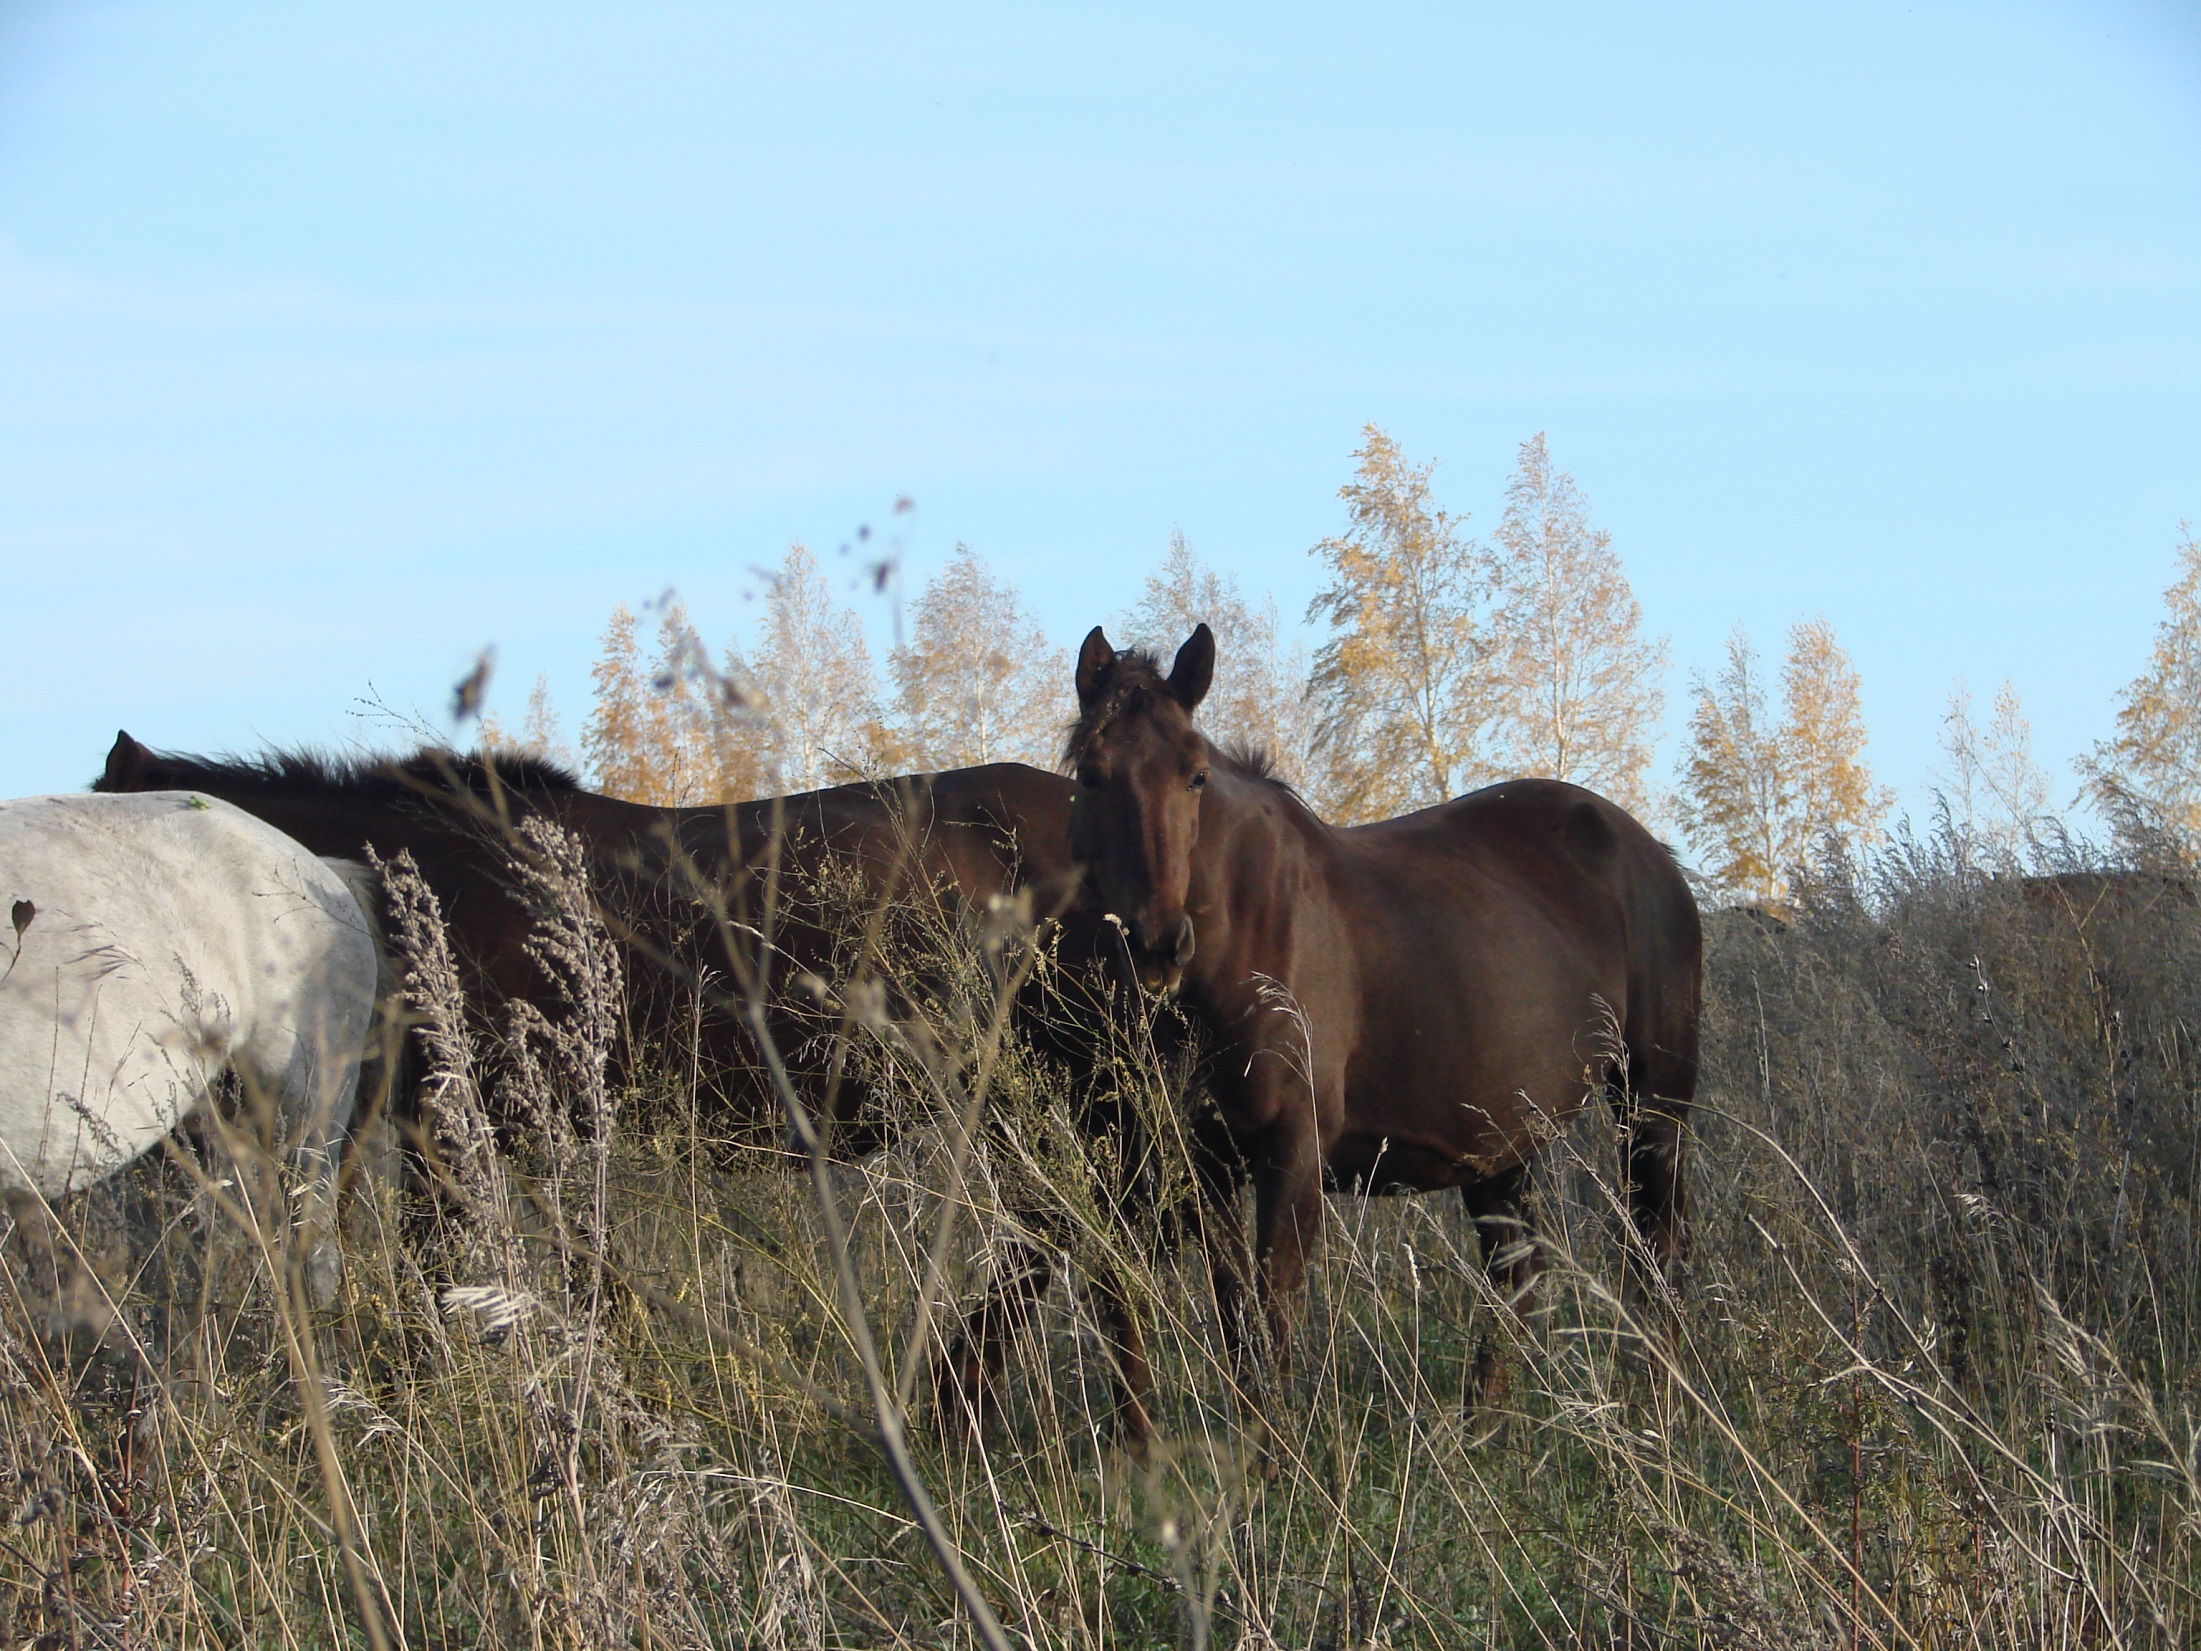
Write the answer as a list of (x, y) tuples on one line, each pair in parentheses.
[(1249, 808), (1253, 834)]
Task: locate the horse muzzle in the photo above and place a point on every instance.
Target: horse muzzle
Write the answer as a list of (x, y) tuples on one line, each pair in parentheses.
[(1160, 952)]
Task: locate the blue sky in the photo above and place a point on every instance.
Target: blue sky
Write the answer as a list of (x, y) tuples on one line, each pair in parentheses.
[(337, 342)]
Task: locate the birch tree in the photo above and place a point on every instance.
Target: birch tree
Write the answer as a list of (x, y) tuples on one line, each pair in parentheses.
[(615, 741), (671, 731), (812, 675), (540, 734), (1736, 800), (1579, 689), (1823, 743), (1757, 800), (977, 682), (1992, 786), (2154, 758), (1399, 693)]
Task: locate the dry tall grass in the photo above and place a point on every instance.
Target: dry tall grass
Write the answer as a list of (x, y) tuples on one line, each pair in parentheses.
[(1935, 1386)]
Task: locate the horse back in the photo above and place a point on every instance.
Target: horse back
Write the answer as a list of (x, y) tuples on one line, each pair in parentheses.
[(1527, 940), (223, 894), (1551, 866), (978, 830)]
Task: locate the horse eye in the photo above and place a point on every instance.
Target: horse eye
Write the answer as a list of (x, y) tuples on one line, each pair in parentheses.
[(1089, 779), (1199, 780)]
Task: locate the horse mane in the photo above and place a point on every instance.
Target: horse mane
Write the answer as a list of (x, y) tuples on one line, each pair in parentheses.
[(369, 779), (1138, 673), (1250, 761), (1135, 675)]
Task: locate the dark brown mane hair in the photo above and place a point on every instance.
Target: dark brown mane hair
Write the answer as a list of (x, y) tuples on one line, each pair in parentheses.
[(374, 779), (1252, 762), (1135, 674)]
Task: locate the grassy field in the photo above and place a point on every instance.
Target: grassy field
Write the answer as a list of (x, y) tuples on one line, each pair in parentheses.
[(1935, 1382)]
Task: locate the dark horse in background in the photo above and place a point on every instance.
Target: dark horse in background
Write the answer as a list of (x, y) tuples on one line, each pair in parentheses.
[(1407, 1006), (680, 885), (665, 875)]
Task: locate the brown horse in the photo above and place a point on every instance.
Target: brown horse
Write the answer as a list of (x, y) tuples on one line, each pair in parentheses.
[(1407, 1006), (969, 836), (966, 838)]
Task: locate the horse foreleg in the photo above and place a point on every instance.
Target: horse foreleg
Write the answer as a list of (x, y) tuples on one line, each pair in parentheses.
[(1287, 1214), (964, 1378), (1222, 1239), (1287, 1217), (333, 1086), (1512, 1261), (1119, 1323)]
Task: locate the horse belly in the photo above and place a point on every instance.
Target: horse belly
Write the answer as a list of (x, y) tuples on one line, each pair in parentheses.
[(1373, 1165), (1451, 1088), (1449, 1135)]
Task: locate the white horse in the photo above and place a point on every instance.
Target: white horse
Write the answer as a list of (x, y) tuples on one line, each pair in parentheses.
[(158, 939)]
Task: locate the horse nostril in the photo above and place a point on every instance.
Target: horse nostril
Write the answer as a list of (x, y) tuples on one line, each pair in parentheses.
[(1166, 944)]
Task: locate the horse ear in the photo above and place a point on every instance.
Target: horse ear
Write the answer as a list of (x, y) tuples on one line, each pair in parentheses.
[(125, 770), (1096, 662), (1195, 668)]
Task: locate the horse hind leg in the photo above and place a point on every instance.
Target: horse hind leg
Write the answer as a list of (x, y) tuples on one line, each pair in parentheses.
[(1513, 1262), (967, 1376), (68, 1281), (1653, 1112), (1653, 1117), (1119, 1323), (1657, 1204), (36, 1245)]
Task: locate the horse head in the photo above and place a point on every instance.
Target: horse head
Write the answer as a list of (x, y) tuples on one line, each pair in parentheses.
[(129, 767), (1140, 768)]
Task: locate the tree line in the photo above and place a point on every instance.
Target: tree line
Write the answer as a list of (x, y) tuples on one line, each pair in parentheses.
[(1444, 661)]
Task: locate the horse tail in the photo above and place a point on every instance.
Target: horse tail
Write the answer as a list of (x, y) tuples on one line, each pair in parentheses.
[(1665, 994), (1665, 981)]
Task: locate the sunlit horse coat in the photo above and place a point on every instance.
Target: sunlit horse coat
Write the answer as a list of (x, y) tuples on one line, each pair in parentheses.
[(155, 941)]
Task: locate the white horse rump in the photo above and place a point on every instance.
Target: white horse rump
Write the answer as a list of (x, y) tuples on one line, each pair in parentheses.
[(154, 940)]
